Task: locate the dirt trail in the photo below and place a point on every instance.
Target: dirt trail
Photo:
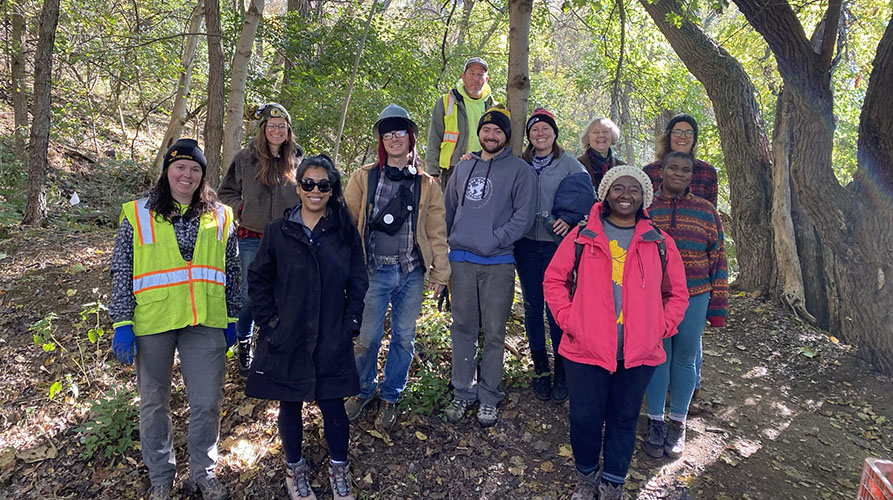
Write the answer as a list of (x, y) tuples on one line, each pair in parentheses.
[(786, 412)]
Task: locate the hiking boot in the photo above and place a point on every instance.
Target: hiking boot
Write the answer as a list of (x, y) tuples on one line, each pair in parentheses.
[(387, 415), (559, 386), (675, 444), (161, 492), (607, 491), (655, 439), (542, 382), (586, 486), (355, 405), (245, 356), (339, 478), (297, 481), (212, 489), (487, 416), (456, 410)]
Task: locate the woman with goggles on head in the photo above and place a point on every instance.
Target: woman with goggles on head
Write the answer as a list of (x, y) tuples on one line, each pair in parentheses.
[(259, 186), (307, 284)]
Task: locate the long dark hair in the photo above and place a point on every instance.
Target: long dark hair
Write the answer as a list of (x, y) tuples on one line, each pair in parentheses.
[(161, 200), (336, 200), (272, 170)]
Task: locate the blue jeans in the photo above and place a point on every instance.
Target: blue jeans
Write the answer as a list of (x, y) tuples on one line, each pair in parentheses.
[(532, 258), (247, 251), (610, 401), (387, 285), (678, 372)]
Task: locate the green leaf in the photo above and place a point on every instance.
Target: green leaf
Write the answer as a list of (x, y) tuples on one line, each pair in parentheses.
[(56, 387), (807, 351)]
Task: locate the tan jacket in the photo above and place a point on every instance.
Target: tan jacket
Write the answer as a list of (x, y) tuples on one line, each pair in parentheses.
[(430, 235)]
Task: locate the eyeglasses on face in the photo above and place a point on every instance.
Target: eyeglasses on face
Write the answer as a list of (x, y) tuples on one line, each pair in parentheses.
[(679, 133), (281, 126), (324, 185), (390, 135)]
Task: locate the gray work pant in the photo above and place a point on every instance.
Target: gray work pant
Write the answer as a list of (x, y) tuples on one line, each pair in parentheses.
[(203, 365), (481, 297)]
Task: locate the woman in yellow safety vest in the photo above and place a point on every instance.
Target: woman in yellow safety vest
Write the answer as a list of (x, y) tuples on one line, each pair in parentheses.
[(175, 287)]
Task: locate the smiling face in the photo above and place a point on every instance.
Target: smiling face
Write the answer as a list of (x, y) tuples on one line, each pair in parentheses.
[(542, 137), (624, 197), (396, 147), (681, 141), (314, 201), (474, 79), (184, 177), (492, 138), (676, 176), (600, 138), (276, 132)]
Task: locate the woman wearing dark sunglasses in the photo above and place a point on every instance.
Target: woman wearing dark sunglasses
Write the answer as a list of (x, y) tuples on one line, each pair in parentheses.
[(307, 284)]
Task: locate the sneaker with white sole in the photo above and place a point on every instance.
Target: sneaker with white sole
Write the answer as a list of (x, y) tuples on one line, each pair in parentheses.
[(456, 410), (487, 415), (609, 492)]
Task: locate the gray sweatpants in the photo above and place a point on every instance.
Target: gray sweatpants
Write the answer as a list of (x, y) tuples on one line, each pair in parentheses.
[(203, 365), (481, 295)]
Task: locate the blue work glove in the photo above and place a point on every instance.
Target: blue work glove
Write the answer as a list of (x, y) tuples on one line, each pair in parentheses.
[(230, 333), (124, 344)]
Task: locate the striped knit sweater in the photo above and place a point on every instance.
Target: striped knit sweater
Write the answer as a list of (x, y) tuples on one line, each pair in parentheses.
[(696, 228)]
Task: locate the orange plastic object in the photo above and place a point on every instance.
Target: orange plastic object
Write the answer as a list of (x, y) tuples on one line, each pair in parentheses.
[(877, 480)]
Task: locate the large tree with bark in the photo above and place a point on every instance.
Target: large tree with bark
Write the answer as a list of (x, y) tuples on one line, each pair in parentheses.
[(826, 249)]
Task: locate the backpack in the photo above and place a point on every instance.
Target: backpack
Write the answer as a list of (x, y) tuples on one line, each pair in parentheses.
[(578, 252)]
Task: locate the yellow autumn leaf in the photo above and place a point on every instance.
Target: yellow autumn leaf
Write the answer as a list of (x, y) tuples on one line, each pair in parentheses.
[(834, 339), (420, 436)]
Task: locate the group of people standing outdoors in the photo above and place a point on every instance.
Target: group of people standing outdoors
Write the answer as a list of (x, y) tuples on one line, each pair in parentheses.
[(626, 264)]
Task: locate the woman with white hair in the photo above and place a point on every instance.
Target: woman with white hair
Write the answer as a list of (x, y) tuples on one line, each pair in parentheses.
[(598, 156)]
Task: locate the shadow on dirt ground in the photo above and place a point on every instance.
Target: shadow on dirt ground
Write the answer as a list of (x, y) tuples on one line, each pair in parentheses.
[(786, 411)]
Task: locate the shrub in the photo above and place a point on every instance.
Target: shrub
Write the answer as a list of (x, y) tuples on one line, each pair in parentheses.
[(110, 426)]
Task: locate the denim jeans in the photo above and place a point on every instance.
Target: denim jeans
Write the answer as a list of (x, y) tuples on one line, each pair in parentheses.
[(202, 352), (610, 401), (334, 422), (678, 372), (387, 285), (532, 258), (482, 300), (247, 251)]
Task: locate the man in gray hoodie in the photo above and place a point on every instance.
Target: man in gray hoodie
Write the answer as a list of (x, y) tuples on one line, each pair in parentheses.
[(488, 208)]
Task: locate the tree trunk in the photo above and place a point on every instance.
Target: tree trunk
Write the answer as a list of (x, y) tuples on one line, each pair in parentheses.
[(19, 97), (518, 84), (235, 105), (214, 121), (744, 143), (36, 208), (854, 221), (353, 77), (788, 286), (626, 124), (616, 92), (184, 84), (467, 7)]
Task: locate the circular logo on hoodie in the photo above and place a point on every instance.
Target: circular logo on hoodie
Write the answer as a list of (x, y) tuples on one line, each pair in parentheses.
[(479, 188)]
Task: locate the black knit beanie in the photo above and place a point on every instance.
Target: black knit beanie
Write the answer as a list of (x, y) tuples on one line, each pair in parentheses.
[(186, 149), (499, 117)]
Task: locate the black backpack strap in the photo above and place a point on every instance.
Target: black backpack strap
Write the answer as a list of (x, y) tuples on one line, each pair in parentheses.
[(661, 249)]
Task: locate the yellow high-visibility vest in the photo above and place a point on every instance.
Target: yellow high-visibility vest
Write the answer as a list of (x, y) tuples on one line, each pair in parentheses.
[(173, 293), (450, 130)]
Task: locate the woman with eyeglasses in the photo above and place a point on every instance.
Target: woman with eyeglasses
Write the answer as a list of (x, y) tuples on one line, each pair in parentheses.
[(259, 186), (307, 284), (681, 135)]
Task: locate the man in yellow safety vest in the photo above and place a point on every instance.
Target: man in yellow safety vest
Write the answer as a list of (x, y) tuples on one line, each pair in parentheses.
[(455, 113)]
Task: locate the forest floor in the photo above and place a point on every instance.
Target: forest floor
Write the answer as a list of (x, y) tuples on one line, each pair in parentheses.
[(786, 411)]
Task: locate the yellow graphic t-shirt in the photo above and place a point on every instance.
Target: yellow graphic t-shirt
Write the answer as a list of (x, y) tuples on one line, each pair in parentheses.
[(619, 239)]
